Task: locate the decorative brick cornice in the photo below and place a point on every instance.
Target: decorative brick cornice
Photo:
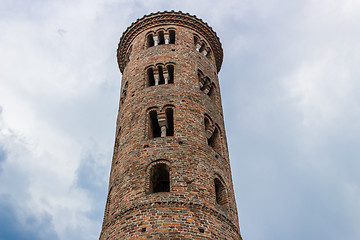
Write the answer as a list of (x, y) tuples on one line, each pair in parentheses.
[(164, 18)]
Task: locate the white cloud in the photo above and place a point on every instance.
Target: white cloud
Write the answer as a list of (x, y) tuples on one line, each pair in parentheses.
[(290, 84)]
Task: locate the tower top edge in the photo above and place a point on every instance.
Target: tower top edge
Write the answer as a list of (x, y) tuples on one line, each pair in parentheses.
[(164, 18)]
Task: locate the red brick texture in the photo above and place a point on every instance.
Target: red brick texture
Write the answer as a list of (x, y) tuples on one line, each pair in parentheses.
[(200, 203)]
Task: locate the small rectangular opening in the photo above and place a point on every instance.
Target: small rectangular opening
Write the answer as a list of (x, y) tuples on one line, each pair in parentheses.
[(170, 122), (170, 69), (155, 130), (172, 36), (150, 76)]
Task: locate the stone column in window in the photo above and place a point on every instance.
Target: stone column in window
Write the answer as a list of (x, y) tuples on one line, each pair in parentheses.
[(167, 38), (166, 75), (198, 46), (156, 76), (156, 40), (162, 123), (207, 85)]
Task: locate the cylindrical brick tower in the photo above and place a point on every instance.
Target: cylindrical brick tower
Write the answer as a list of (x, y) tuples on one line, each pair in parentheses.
[(170, 175)]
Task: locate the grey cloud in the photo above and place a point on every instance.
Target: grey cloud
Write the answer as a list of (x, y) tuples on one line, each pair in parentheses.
[(25, 226)]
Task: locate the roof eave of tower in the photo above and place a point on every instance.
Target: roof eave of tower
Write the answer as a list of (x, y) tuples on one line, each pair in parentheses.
[(163, 18)]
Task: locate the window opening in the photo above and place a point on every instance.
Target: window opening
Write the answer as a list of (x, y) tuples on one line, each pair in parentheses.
[(161, 75), (214, 140), (207, 123), (160, 178), (150, 40), (170, 69), (154, 130), (170, 121), (161, 38), (212, 92), (196, 40), (208, 52), (201, 49), (207, 85), (172, 36), (150, 75), (201, 79), (220, 192)]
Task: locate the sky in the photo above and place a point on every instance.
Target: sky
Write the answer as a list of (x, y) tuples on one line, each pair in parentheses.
[(290, 85)]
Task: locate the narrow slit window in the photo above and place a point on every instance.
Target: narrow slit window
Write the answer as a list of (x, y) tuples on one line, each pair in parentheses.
[(170, 121), (197, 43), (196, 40), (154, 130), (207, 123), (170, 69), (208, 53), (214, 140), (161, 38), (160, 178), (212, 92), (220, 192), (150, 76), (172, 36), (207, 85), (202, 46), (201, 79), (150, 40)]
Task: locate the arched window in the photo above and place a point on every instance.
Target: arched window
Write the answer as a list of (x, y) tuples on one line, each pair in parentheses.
[(161, 124), (160, 178), (220, 192), (212, 134), (172, 36), (215, 140), (150, 40), (161, 74), (206, 85), (201, 46), (150, 77)]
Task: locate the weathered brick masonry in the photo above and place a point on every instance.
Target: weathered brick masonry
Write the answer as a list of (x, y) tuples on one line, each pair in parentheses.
[(170, 176)]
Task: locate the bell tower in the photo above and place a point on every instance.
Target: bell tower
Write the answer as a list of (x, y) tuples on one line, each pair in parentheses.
[(170, 175)]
